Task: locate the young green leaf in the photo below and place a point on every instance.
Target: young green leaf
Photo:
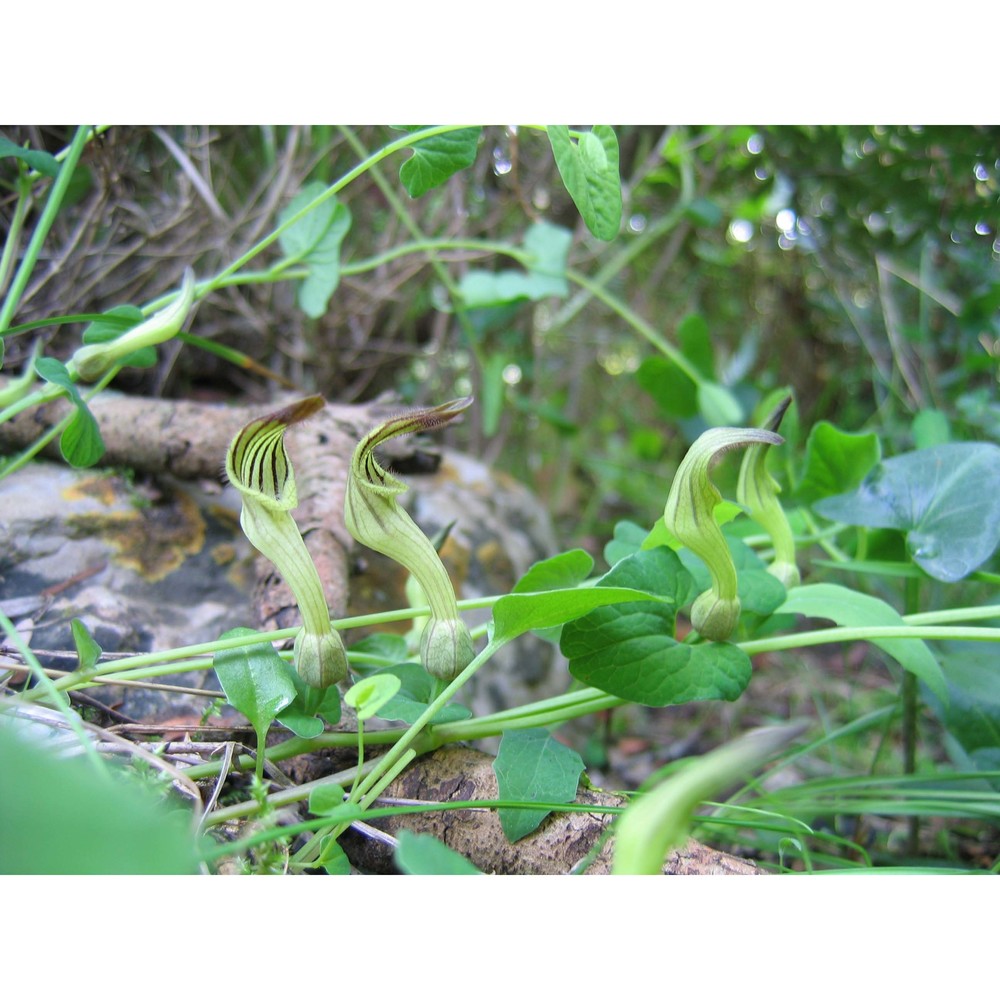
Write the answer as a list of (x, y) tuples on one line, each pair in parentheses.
[(301, 716), (417, 690), (80, 443), (589, 170), (545, 277), (381, 649), (696, 343), (627, 538), (717, 404), (315, 242), (533, 767), (325, 798), (422, 854), (254, 680), (670, 387), (370, 693), (852, 608), (434, 160), (45, 163), (87, 649), (628, 651), (566, 570), (836, 461), (515, 614), (335, 860), (930, 428), (946, 499)]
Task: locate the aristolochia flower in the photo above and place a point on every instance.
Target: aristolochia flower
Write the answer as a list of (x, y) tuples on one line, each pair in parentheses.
[(758, 491), (375, 519), (93, 360), (689, 516), (258, 466)]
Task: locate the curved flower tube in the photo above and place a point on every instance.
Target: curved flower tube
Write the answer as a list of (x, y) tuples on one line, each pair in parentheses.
[(689, 516), (258, 466), (375, 519), (758, 491)]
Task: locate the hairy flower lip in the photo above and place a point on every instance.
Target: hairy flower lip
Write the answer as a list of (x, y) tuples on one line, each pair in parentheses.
[(366, 465), (446, 647), (257, 463)]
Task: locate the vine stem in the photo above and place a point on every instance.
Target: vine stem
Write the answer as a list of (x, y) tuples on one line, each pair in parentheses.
[(49, 213), (909, 696), (399, 748)]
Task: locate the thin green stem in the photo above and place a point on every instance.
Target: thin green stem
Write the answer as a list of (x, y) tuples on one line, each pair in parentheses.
[(867, 634), (198, 656), (386, 762), (44, 394), (49, 214), (953, 615), (14, 232), (329, 834), (638, 324), (216, 853), (542, 714), (430, 246), (361, 758), (56, 429), (443, 275), (368, 163), (58, 701), (261, 753), (909, 698)]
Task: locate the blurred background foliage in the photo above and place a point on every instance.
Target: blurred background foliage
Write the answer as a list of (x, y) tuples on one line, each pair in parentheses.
[(856, 265)]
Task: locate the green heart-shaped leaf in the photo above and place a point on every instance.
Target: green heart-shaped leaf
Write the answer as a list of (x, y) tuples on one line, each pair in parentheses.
[(946, 499)]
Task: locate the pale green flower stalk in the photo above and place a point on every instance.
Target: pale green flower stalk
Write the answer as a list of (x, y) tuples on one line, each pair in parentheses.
[(92, 361), (375, 519), (689, 516), (758, 491), (258, 466)]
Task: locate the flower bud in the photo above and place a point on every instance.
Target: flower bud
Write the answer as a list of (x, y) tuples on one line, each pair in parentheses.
[(445, 647), (689, 516), (320, 658), (715, 617), (94, 360)]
